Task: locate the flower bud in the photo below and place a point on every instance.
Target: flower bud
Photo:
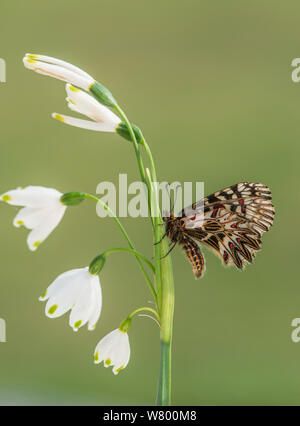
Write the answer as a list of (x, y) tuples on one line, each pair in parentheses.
[(72, 198), (123, 131), (102, 94), (97, 264), (124, 327)]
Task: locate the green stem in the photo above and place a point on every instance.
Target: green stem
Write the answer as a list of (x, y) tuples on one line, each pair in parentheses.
[(165, 296), (145, 308), (166, 315), (137, 152), (129, 250), (122, 229), (164, 277), (157, 221), (135, 144)]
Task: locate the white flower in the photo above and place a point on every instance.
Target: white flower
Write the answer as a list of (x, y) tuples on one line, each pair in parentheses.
[(79, 291), (113, 350), (79, 101), (58, 69), (42, 211)]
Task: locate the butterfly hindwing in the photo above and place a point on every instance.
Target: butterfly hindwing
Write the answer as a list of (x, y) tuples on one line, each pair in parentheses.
[(229, 237)]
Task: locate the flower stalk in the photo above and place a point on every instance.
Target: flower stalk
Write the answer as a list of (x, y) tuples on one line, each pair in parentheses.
[(164, 280), (166, 322), (114, 349)]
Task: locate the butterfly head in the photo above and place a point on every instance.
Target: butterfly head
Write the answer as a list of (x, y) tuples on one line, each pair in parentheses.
[(168, 217)]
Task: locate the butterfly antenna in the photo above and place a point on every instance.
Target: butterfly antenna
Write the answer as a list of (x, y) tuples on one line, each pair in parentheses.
[(176, 193), (169, 195)]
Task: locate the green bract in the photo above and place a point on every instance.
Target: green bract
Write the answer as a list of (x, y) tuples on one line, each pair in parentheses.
[(97, 264), (72, 198), (123, 131), (124, 327), (102, 94)]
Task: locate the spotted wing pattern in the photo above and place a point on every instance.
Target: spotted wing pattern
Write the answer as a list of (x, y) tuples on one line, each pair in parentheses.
[(231, 221)]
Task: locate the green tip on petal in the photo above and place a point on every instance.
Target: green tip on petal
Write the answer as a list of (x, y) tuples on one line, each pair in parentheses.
[(20, 222), (108, 361), (32, 56), (52, 309), (119, 369), (58, 117), (44, 295), (96, 357), (6, 197), (77, 325), (36, 244), (74, 89)]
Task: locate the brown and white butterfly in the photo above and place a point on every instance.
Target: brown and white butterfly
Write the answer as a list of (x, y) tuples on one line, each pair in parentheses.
[(230, 222)]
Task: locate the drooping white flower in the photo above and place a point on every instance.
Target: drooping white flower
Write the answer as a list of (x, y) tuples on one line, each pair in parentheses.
[(42, 211), (79, 291), (59, 69), (83, 103), (113, 350)]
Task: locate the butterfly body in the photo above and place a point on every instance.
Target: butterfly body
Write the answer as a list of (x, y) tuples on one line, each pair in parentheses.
[(230, 222)]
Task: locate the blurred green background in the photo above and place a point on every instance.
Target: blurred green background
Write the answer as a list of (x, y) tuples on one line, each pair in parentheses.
[(210, 85)]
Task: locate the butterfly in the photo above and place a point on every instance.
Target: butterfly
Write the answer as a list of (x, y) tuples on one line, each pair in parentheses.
[(230, 222)]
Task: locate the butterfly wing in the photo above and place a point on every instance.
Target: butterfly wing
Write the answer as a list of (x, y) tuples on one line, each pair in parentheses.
[(232, 221)]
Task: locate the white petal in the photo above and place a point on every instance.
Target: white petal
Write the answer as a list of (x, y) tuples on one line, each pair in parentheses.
[(83, 124), (44, 229), (72, 106), (63, 292), (30, 217), (114, 350), (59, 72), (62, 301), (103, 348), (83, 307), (72, 277), (56, 61), (121, 356), (31, 196), (97, 297), (87, 105)]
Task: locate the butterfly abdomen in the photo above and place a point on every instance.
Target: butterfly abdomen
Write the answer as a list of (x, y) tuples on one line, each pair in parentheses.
[(193, 252)]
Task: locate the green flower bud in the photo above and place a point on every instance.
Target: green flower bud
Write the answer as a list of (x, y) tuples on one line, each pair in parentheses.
[(102, 94), (72, 198), (123, 131), (97, 264), (124, 327)]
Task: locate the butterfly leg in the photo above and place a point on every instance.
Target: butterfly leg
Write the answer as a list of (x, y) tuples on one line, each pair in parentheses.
[(169, 251), (158, 242)]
